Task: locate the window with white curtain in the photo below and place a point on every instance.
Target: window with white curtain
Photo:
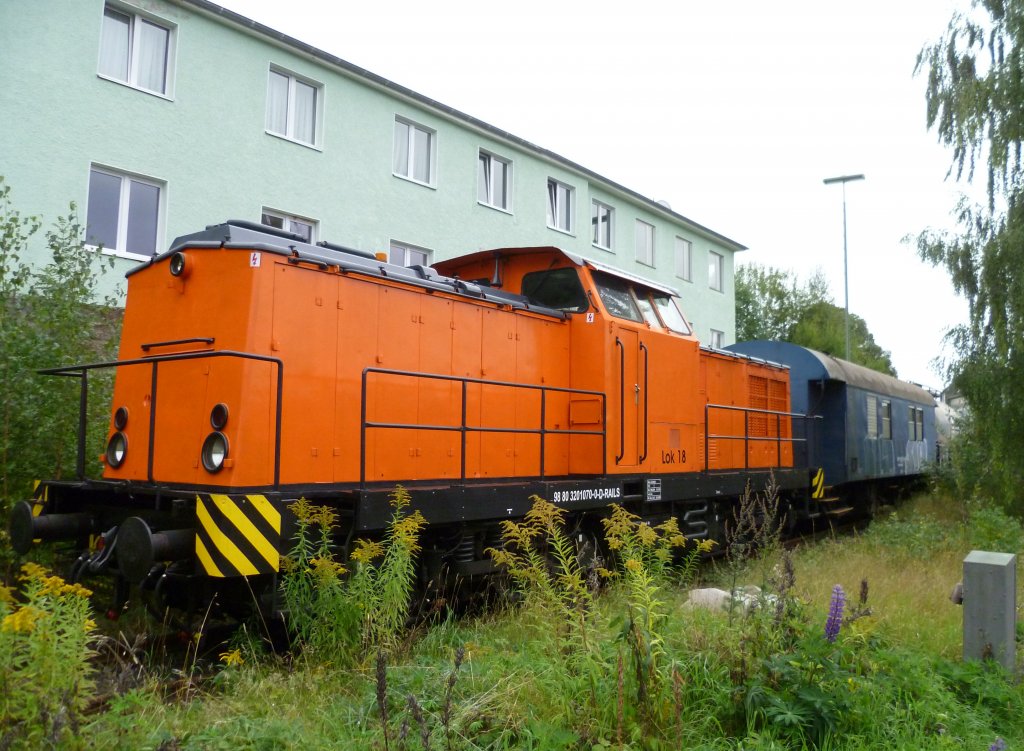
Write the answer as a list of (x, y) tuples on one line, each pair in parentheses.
[(717, 339), (684, 252), (123, 213), (493, 181), (560, 207), (297, 225), (715, 268), (293, 107), (414, 151), (404, 254), (644, 243), (136, 50)]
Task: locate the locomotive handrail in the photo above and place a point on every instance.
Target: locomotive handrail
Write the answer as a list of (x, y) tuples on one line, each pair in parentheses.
[(778, 439), (622, 400), (643, 348), (465, 429), (82, 372)]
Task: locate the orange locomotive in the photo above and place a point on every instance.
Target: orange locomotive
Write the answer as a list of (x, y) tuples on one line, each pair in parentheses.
[(255, 369)]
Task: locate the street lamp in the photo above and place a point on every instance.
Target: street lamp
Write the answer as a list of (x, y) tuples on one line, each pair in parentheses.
[(843, 179)]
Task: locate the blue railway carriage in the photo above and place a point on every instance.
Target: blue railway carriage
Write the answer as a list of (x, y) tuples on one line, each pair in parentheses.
[(876, 433)]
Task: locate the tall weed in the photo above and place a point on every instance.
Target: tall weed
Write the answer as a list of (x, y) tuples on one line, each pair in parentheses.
[(46, 643)]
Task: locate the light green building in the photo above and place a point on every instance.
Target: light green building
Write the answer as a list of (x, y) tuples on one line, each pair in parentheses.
[(159, 117)]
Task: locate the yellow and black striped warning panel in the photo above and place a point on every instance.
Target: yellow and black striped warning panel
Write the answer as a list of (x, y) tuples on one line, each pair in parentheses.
[(818, 484), (237, 535), (40, 497)]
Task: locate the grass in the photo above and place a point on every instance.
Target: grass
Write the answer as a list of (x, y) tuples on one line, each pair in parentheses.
[(892, 680)]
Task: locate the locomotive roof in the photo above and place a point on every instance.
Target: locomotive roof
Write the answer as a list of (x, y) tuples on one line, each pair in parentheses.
[(576, 259), (820, 366), (251, 236)]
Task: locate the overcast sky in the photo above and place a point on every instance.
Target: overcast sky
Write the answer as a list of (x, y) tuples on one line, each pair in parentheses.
[(732, 112)]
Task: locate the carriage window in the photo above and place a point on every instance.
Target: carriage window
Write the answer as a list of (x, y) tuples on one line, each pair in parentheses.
[(616, 297), (670, 315), (559, 289), (886, 419)]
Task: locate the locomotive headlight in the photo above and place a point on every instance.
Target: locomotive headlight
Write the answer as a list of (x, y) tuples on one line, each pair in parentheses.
[(215, 451), (120, 418), (179, 265), (117, 447), (219, 416)]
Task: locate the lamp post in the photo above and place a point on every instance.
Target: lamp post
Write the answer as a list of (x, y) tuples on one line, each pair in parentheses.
[(843, 179)]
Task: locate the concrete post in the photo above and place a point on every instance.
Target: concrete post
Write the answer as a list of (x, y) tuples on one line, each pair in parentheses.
[(990, 607)]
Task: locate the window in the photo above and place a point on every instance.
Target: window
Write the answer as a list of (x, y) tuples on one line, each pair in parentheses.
[(717, 339), (123, 214), (644, 243), (560, 211), (493, 181), (414, 152), (919, 424), (292, 107), (408, 255), (602, 220), (616, 297), (872, 415), (304, 228), (558, 288), (670, 315), (136, 51), (886, 419), (684, 250), (715, 271)]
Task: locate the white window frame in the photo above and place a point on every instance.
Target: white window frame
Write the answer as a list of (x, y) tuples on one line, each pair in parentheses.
[(136, 20), (644, 250), (123, 212), (563, 194), (289, 131), (287, 220), (597, 208), (411, 155), (716, 271), (406, 249), (684, 259), (717, 339), (486, 179)]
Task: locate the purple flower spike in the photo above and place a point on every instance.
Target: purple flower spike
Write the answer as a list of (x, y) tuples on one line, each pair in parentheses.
[(999, 745), (835, 614)]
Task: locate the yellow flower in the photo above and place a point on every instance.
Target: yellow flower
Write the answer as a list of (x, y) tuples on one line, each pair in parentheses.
[(633, 565), (32, 571), (326, 569), (605, 573), (233, 658), (76, 589), (646, 535), (7, 595), (704, 546), (400, 498), (22, 620), (544, 514), (90, 624), (303, 510), (367, 550), (324, 517)]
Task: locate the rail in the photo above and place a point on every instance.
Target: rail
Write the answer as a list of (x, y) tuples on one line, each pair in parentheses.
[(778, 438), (465, 429), (82, 373)]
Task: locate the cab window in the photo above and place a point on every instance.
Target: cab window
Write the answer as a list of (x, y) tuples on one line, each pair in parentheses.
[(670, 315), (616, 297), (556, 288), (648, 311)]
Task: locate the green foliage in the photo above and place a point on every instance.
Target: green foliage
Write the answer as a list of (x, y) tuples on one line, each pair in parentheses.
[(973, 99), (335, 616), (50, 315), (45, 647), (772, 304), (770, 301)]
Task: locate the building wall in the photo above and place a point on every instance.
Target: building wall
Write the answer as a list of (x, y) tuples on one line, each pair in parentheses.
[(207, 145)]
